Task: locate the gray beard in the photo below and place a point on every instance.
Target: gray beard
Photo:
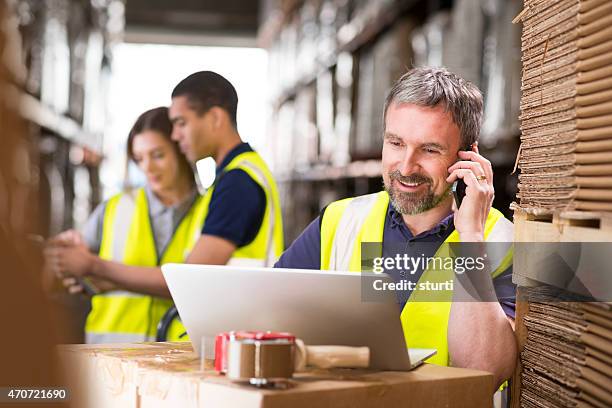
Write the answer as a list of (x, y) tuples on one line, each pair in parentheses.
[(414, 203)]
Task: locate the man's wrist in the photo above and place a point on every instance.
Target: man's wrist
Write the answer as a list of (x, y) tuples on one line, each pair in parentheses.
[(471, 236)]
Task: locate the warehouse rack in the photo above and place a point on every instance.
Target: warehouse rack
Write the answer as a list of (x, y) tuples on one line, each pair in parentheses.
[(330, 65), (63, 52)]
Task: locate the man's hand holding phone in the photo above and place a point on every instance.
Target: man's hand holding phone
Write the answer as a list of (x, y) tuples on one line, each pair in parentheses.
[(477, 174)]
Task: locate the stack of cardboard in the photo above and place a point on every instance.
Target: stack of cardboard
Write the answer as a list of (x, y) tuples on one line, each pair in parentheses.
[(566, 164), (566, 105), (567, 357)]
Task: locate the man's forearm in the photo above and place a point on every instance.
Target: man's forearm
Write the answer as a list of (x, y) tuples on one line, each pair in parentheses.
[(148, 280), (481, 337)]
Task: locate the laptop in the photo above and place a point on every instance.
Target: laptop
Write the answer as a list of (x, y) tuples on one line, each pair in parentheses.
[(319, 307)]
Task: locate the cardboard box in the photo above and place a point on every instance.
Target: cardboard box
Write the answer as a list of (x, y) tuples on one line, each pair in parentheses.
[(148, 375)]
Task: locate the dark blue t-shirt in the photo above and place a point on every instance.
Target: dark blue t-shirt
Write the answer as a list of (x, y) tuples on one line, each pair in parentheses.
[(305, 252), (238, 204)]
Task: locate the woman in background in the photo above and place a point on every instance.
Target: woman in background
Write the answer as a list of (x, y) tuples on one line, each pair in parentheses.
[(144, 227)]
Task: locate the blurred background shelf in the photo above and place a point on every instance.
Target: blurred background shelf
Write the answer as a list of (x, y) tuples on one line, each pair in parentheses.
[(60, 125), (331, 64), (357, 169), (350, 38)]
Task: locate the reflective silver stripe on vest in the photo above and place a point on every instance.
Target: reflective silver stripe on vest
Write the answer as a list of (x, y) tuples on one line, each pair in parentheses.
[(125, 210), (122, 293), (123, 220), (502, 234), (503, 231), (270, 255), (97, 338), (348, 229)]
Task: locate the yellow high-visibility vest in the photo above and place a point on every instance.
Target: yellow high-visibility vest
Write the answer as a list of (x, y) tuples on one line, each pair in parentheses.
[(127, 237), (122, 316), (268, 244), (348, 223)]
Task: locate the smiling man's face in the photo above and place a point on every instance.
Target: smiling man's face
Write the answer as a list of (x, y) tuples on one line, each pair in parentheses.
[(420, 144)]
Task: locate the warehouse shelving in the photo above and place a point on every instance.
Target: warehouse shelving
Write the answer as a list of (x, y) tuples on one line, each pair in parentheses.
[(63, 126), (364, 37), (350, 38), (356, 169), (65, 52)]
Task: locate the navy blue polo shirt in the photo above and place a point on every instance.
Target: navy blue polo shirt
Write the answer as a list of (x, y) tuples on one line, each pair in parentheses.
[(305, 252), (238, 204)]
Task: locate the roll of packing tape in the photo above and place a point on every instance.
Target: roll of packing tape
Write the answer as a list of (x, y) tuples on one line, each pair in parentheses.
[(268, 357), (267, 360), (259, 357)]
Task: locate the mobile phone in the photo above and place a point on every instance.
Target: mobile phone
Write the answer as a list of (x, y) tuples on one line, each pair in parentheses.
[(459, 191), (88, 287), (459, 185)]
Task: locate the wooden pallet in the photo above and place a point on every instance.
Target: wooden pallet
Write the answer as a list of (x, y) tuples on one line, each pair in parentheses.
[(567, 226)]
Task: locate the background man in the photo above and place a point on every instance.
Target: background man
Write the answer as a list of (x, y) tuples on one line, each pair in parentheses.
[(243, 218)]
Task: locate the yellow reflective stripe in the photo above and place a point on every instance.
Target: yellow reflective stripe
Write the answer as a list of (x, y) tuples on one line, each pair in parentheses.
[(329, 223)]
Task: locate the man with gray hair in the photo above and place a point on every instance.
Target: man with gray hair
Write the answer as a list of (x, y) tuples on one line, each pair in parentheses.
[(432, 121)]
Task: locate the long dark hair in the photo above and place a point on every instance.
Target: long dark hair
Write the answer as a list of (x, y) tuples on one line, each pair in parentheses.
[(157, 120)]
